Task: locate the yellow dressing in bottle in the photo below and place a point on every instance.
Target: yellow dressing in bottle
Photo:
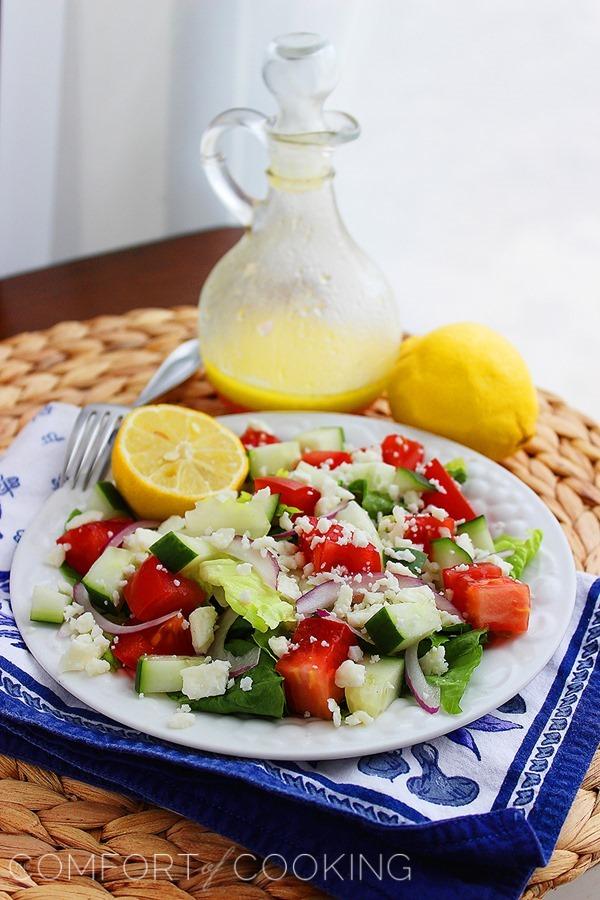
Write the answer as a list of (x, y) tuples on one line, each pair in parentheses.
[(295, 315)]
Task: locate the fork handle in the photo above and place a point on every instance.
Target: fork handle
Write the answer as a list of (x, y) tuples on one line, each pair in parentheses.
[(175, 369)]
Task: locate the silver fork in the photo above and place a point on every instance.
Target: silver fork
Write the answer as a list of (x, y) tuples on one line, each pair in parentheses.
[(96, 426)]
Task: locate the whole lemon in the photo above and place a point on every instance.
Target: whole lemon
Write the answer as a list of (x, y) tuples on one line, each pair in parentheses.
[(468, 383)]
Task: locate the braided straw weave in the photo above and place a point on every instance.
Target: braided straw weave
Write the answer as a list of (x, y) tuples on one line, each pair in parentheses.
[(83, 842)]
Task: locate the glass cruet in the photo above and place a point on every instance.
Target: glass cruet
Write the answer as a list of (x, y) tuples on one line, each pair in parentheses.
[(295, 315)]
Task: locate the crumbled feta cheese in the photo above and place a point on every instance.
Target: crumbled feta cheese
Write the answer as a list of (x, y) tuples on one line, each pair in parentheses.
[(221, 538), (140, 540), (92, 515), (78, 654), (85, 623), (375, 657), (350, 674), (288, 587), (343, 604), (279, 645), (355, 653), (333, 708), (243, 568), (202, 624), (434, 661), (359, 717), (208, 680), (413, 501), (448, 619), (56, 556), (436, 511), (181, 719), (97, 667), (285, 522), (246, 683), (465, 542)]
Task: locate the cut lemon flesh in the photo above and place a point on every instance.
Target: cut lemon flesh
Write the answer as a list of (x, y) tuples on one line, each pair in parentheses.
[(167, 457)]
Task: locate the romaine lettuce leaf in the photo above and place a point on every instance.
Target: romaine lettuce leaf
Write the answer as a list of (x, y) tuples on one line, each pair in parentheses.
[(463, 655), (373, 502), (265, 698), (524, 550), (247, 595), (457, 469)]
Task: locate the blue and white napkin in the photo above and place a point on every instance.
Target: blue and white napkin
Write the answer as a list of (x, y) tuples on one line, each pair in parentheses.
[(472, 813)]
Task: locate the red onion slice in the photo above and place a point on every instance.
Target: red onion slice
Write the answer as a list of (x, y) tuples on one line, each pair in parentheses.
[(442, 602), (265, 566), (120, 536), (284, 535), (80, 595), (337, 511), (241, 664), (427, 695), (319, 598)]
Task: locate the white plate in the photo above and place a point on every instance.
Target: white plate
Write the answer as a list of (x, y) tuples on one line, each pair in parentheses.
[(505, 669)]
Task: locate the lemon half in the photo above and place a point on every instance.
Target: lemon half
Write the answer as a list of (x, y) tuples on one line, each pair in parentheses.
[(167, 457)]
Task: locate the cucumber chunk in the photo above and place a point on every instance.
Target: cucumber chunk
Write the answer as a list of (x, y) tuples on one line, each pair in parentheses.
[(396, 627), (103, 581), (269, 459), (379, 476), (446, 553), (478, 531), (355, 515), (326, 438), (47, 605), (383, 681), (162, 674), (407, 480), (250, 517), (268, 501), (109, 501), (177, 551)]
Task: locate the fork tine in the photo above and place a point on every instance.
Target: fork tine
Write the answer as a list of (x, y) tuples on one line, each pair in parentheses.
[(97, 439), (95, 426), (76, 445), (72, 445), (104, 445)]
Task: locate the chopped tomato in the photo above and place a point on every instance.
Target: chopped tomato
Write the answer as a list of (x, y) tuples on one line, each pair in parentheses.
[(153, 591), (423, 529), (329, 554), (500, 604), (332, 549), (320, 646), (330, 458), (87, 542), (401, 451), (306, 535), (172, 638), (449, 496), (457, 578), (255, 437), (292, 493)]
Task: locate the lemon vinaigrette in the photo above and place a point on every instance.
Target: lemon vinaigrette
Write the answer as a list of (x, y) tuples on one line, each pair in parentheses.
[(295, 315)]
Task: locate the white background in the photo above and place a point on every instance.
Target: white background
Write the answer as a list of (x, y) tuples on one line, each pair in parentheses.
[(475, 184)]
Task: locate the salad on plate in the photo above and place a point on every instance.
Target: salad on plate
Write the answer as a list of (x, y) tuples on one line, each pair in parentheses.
[(334, 581)]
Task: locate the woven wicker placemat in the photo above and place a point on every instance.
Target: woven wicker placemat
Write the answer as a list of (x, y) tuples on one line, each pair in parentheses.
[(66, 828)]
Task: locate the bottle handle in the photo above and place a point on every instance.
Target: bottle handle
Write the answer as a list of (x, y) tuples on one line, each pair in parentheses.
[(234, 197)]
